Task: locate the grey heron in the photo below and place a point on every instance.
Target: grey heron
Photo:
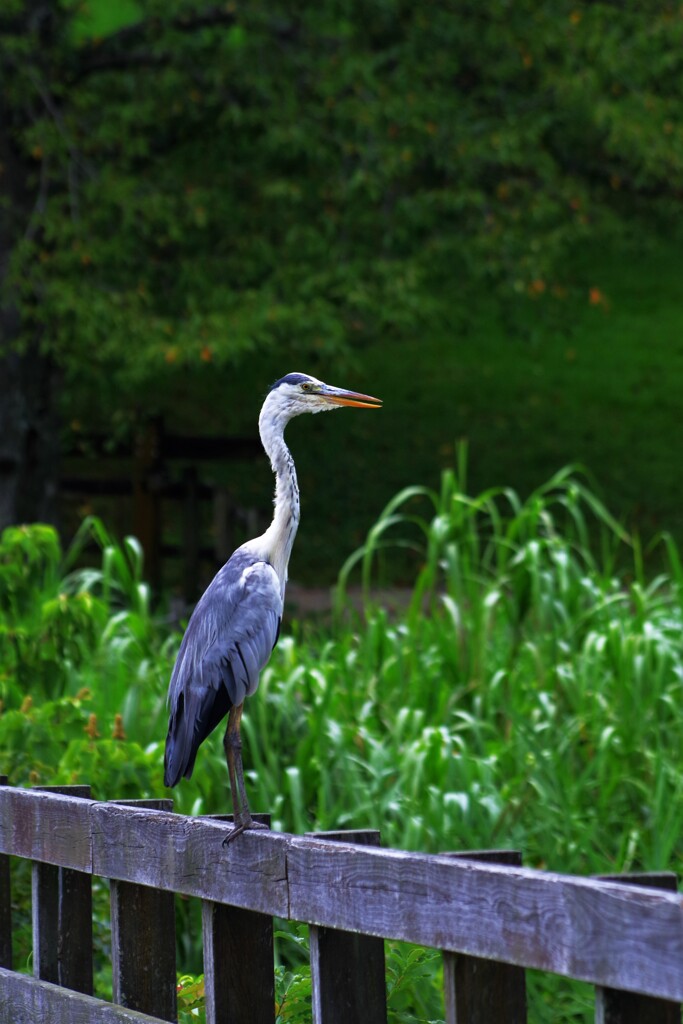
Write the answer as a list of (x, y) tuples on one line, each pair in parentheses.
[(236, 623)]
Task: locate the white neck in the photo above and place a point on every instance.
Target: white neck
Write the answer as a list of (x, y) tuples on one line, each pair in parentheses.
[(278, 539)]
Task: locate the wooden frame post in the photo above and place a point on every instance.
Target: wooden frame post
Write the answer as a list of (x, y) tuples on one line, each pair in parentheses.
[(478, 991), (62, 918), (5, 905), (613, 1006), (239, 972), (143, 941), (348, 978)]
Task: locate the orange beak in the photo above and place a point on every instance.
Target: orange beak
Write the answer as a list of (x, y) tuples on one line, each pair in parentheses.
[(340, 397)]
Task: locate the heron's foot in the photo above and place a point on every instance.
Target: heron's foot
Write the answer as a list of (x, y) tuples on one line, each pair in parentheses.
[(240, 826)]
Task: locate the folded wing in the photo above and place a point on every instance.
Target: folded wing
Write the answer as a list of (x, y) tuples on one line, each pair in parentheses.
[(229, 639)]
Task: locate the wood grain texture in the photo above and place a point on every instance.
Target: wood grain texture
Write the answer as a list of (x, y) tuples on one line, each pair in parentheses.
[(620, 936), (239, 972), (45, 921), (25, 1000), (46, 826), (62, 918), (613, 1006), (143, 945), (478, 991), (239, 979), (600, 932), (75, 940), (5, 905), (143, 949), (186, 855), (348, 976)]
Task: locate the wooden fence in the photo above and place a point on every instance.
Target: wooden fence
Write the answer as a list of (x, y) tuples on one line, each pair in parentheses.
[(157, 470), (492, 920)]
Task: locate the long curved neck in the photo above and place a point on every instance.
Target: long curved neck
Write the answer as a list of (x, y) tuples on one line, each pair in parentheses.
[(279, 537)]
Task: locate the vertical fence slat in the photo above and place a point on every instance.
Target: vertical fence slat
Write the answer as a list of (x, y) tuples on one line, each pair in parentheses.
[(45, 920), (613, 1006), (347, 970), (143, 942), (478, 991), (62, 918), (239, 972), (239, 981), (75, 931), (5, 905)]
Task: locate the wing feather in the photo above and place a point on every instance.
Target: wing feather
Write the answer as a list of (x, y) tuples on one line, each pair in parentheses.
[(229, 639)]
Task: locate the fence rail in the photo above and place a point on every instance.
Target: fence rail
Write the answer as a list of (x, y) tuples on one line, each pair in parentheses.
[(491, 919)]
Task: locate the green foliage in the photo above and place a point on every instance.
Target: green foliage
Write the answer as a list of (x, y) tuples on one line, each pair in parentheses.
[(211, 181), (191, 999), (79, 652), (528, 695)]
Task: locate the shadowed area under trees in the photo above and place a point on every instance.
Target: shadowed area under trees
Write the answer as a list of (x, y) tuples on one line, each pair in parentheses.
[(195, 187)]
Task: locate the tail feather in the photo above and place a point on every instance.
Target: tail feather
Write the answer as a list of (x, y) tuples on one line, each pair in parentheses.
[(187, 730)]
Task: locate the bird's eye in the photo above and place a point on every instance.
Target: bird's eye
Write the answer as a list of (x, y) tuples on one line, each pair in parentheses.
[(306, 387)]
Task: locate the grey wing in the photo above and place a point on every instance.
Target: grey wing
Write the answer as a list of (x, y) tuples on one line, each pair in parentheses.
[(229, 639)]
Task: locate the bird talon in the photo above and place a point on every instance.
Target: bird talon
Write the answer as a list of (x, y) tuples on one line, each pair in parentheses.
[(236, 831), (240, 827)]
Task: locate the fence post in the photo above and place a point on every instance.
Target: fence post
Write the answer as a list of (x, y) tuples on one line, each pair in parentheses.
[(143, 941), (5, 905), (478, 991), (613, 1006), (347, 970), (239, 979), (62, 918)]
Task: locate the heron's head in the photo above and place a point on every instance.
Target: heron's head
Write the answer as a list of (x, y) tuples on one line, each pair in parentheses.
[(299, 392)]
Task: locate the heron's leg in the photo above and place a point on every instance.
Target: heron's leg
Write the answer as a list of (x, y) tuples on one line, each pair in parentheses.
[(233, 754), (232, 745)]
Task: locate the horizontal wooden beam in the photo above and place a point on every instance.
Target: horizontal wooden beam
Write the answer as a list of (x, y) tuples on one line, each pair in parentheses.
[(599, 932), (622, 936), (186, 855), (47, 827), (25, 1000)]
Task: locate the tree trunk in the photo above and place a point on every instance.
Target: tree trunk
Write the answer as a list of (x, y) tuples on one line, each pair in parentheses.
[(29, 434)]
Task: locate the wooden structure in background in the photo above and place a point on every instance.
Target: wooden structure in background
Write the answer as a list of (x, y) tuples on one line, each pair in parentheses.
[(491, 919), (162, 468)]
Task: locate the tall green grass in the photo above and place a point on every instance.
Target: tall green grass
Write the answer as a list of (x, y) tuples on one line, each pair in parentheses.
[(528, 695)]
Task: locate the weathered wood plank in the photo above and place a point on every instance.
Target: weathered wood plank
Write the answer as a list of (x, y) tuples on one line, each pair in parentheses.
[(5, 905), (479, 991), (62, 918), (239, 972), (25, 1000), (143, 949), (143, 944), (624, 937), (613, 1006), (187, 855), (239, 980), (600, 932), (46, 826), (75, 931), (45, 920), (348, 979)]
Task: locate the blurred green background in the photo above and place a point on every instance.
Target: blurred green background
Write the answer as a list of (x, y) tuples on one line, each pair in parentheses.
[(469, 210)]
